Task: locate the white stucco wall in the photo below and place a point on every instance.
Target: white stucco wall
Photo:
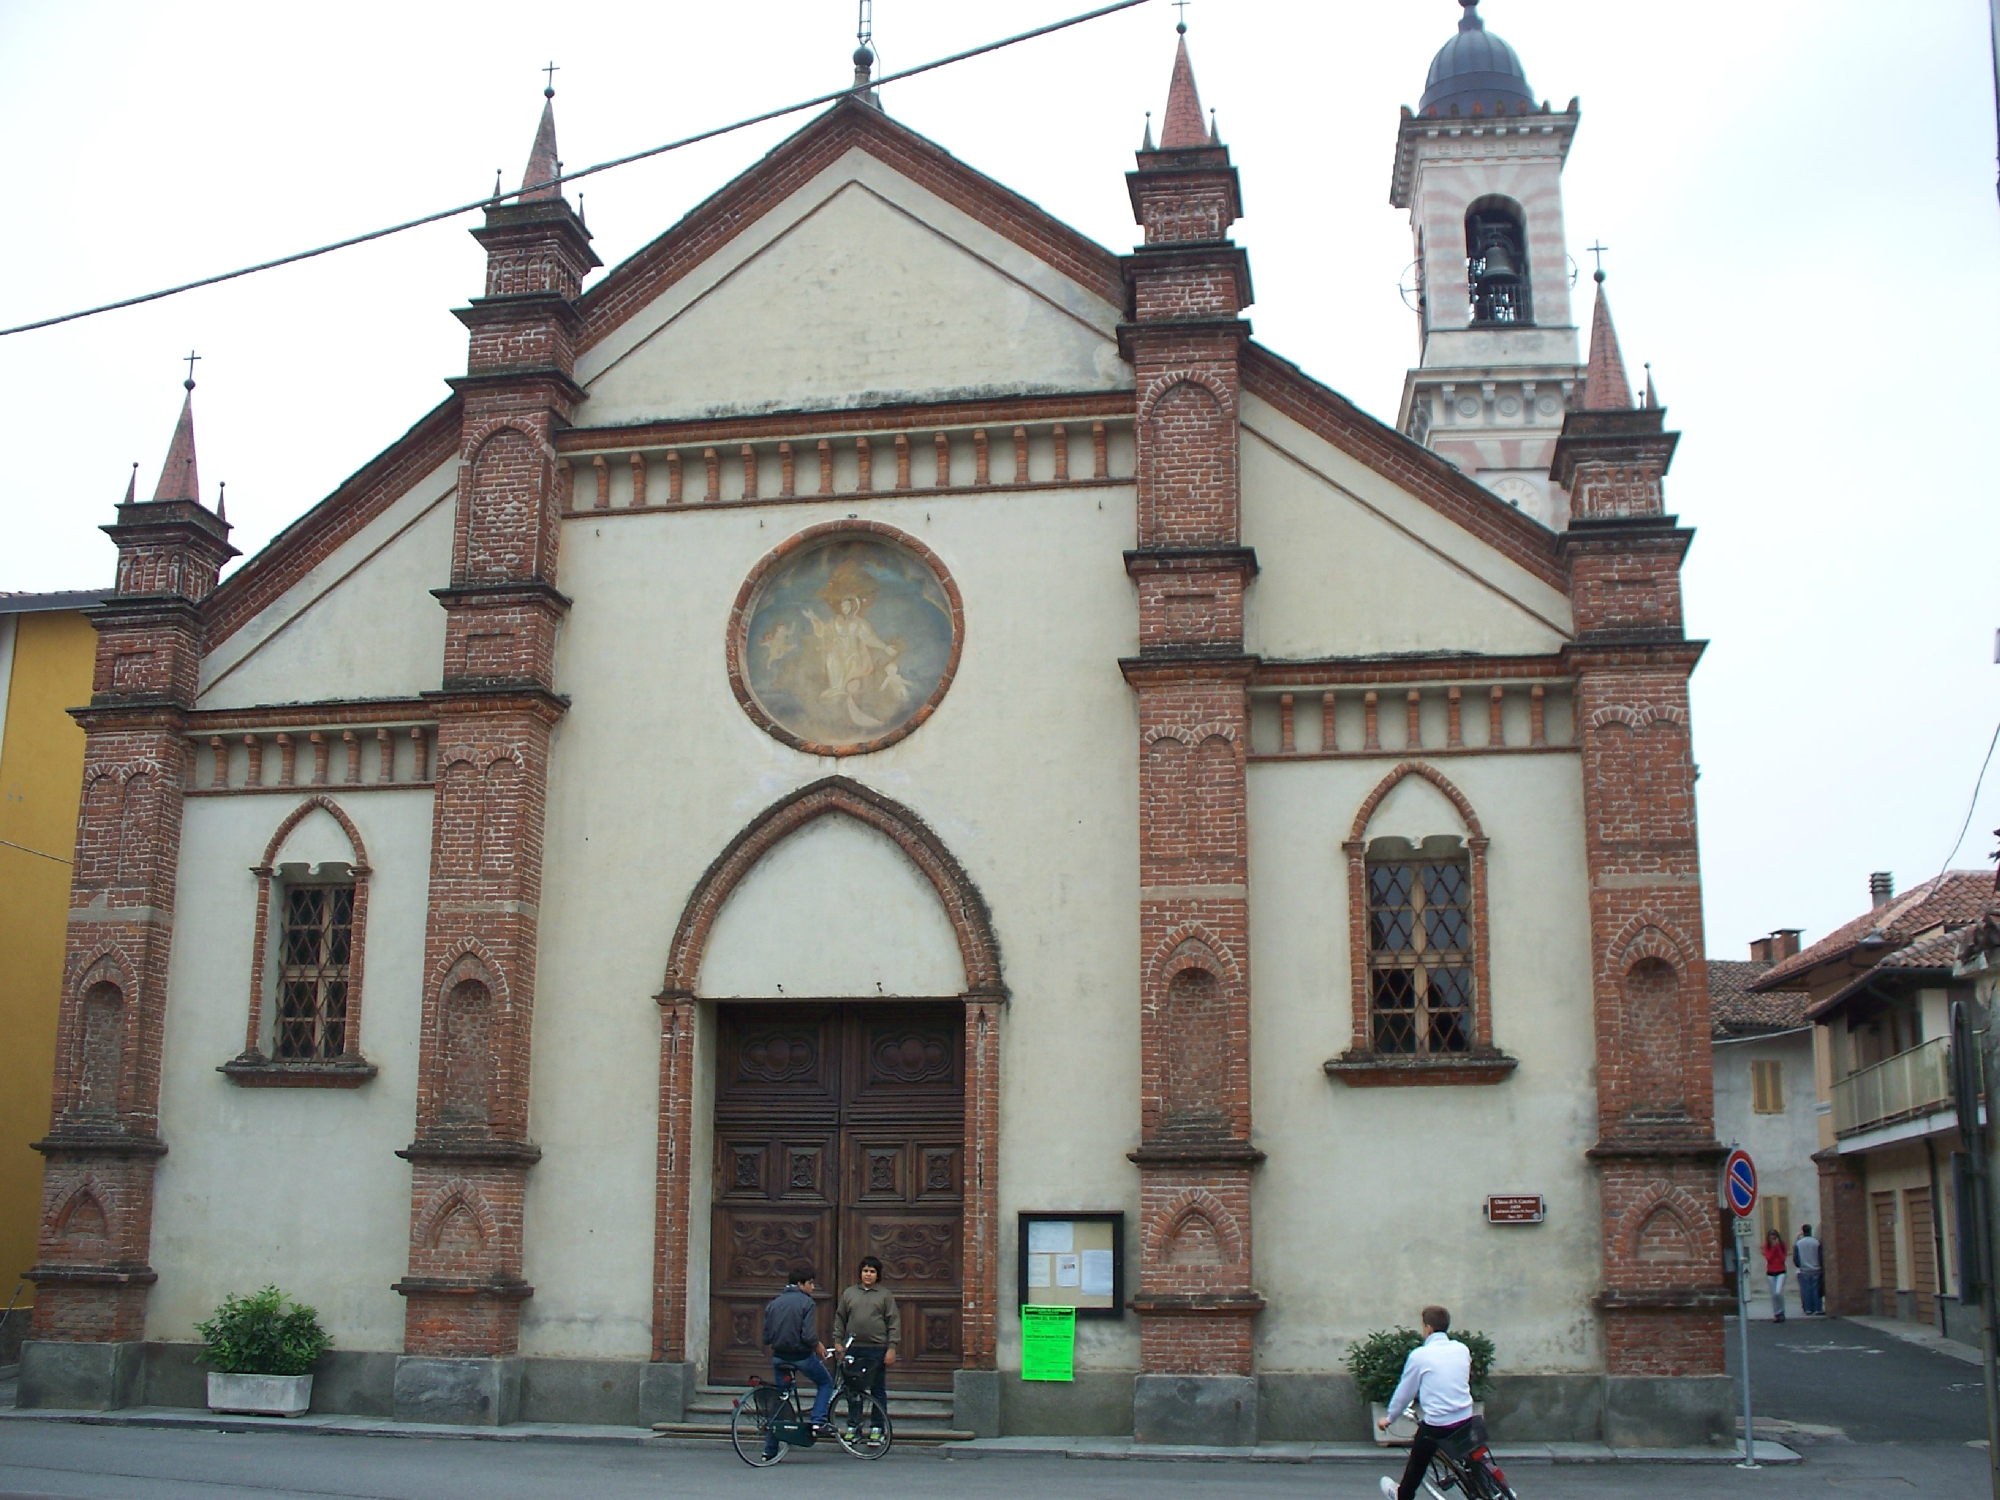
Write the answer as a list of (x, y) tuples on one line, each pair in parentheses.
[(1352, 565), (836, 909), (362, 624), (1027, 771), (1371, 1201), (301, 1187), (861, 288)]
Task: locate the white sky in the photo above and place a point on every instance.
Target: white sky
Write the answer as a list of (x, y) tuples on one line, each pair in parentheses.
[(1786, 188)]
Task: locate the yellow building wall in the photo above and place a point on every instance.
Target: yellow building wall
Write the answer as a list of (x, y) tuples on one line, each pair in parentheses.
[(41, 776)]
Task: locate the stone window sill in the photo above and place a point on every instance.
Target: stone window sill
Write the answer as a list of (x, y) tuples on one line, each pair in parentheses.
[(1370, 1070), (253, 1071)]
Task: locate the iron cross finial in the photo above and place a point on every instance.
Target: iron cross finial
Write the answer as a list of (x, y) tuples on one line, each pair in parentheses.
[(1598, 251), (1181, 25), (191, 358), (549, 90)]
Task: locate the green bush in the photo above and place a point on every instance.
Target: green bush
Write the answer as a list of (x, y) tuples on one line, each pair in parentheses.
[(262, 1334), (1376, 1362)]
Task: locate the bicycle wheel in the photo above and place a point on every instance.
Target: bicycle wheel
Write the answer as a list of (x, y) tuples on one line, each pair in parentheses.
[(1443, 1481), (752, 1425), (865, 1431)]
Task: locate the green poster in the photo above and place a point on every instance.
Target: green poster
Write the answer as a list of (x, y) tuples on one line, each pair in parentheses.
[(1048, 1343)]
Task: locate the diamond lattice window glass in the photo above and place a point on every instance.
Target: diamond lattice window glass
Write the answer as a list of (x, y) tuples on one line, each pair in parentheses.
[(1420, 943), (313, 953)]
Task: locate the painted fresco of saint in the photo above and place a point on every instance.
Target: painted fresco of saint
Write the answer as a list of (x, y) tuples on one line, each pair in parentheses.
[(847, 641)]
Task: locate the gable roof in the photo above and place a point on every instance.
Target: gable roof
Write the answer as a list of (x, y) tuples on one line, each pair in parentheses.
[(1948, 901), (1735, 1010)]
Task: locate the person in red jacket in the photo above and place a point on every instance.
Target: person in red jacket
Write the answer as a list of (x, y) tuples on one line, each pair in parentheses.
[(1774, 1267)]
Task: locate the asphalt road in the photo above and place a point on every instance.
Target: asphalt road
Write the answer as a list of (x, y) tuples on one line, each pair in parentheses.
[(1868, 1386), (56, 1459)]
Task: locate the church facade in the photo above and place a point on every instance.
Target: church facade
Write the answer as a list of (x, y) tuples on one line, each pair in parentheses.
[(880, 727)]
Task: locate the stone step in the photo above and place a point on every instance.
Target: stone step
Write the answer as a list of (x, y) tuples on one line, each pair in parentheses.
[(922, 1417)]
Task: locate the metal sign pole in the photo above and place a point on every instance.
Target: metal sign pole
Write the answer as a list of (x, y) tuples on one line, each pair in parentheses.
[(1743, 1328), (1739, 1196)]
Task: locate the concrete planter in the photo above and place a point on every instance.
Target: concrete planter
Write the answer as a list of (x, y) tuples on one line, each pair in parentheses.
[(260, 1395), (1403, 1431)]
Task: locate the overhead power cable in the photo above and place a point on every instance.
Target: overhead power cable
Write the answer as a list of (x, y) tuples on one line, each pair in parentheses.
[(603, 166), (1974, 807)]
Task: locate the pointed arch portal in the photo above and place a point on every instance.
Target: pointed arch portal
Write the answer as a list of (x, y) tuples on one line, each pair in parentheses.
[(843, 1125)]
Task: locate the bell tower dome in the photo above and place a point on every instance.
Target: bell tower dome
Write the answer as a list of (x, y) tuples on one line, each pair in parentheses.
[(1479, 168)]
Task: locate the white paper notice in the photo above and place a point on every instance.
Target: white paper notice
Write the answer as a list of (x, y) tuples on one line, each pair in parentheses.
[(1051, 1236), (1096, 1273), (1038, 1270), (1067, 1272)]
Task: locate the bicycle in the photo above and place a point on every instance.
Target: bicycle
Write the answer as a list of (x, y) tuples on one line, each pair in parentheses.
[(1468, 1473), (867, 1432)]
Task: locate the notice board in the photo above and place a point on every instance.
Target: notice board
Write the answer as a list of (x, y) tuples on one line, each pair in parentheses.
[(1073, 1260)]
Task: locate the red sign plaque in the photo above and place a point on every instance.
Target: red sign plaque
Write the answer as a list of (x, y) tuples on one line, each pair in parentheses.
[(1515, 1208)]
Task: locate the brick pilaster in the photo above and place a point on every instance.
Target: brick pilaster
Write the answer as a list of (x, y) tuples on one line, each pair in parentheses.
[(1663, 1293), (91, 1271), (1187, 285), (496, 709)]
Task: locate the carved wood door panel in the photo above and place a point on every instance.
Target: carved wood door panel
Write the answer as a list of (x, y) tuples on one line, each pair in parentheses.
[(839, 1133)]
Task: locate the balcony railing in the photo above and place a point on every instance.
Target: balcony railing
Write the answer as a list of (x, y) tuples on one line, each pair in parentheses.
[(1909, 1084)]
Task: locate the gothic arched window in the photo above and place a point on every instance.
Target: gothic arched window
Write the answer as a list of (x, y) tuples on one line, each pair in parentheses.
[(1496, 262)]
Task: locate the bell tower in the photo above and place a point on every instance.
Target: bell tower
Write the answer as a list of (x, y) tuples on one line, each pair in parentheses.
[(1479, 168)]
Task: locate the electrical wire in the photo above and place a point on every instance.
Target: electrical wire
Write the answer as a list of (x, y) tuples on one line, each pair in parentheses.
[(1957, 842), (603, 166)]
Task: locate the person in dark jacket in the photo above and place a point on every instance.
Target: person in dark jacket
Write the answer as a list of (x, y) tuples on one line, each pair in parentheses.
[(867, 1314), (791, 1331)]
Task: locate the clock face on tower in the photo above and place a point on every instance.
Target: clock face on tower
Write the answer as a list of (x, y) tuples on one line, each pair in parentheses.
[(1522, 494)]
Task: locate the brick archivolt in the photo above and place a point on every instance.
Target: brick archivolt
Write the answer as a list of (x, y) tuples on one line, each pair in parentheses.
[(1191, 946), (1436, 778), (1160, 386), (1649, 935), (1659, 1197), (1173, 1222), (454, 1196), (468, 958), (1636, 716), (305, 810)]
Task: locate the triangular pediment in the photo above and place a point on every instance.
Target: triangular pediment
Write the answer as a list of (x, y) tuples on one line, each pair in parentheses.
[(862, 283)]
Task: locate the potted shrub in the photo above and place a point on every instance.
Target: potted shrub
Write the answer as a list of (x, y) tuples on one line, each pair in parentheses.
[(1376, 1363), (260, 1352)]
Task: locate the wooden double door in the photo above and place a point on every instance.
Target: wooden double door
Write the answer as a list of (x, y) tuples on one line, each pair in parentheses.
[(839, 1133)]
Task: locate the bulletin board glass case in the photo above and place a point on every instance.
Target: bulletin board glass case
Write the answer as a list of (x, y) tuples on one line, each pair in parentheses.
[(1074, 1260)]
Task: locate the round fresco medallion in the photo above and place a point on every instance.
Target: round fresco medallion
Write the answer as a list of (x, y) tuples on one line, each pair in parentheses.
[(844, 639)]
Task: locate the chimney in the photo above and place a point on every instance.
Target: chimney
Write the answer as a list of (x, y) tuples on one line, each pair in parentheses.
[(1760, 950), (1784, 943), (1881, 887)]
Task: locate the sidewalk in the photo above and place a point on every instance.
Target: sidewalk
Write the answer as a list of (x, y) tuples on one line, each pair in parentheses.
[(1077, 1448), (1304, 1453), (1923, 1336)]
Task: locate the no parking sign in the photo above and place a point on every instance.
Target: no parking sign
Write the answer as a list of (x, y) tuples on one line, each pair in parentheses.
[(1739, 1183)]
